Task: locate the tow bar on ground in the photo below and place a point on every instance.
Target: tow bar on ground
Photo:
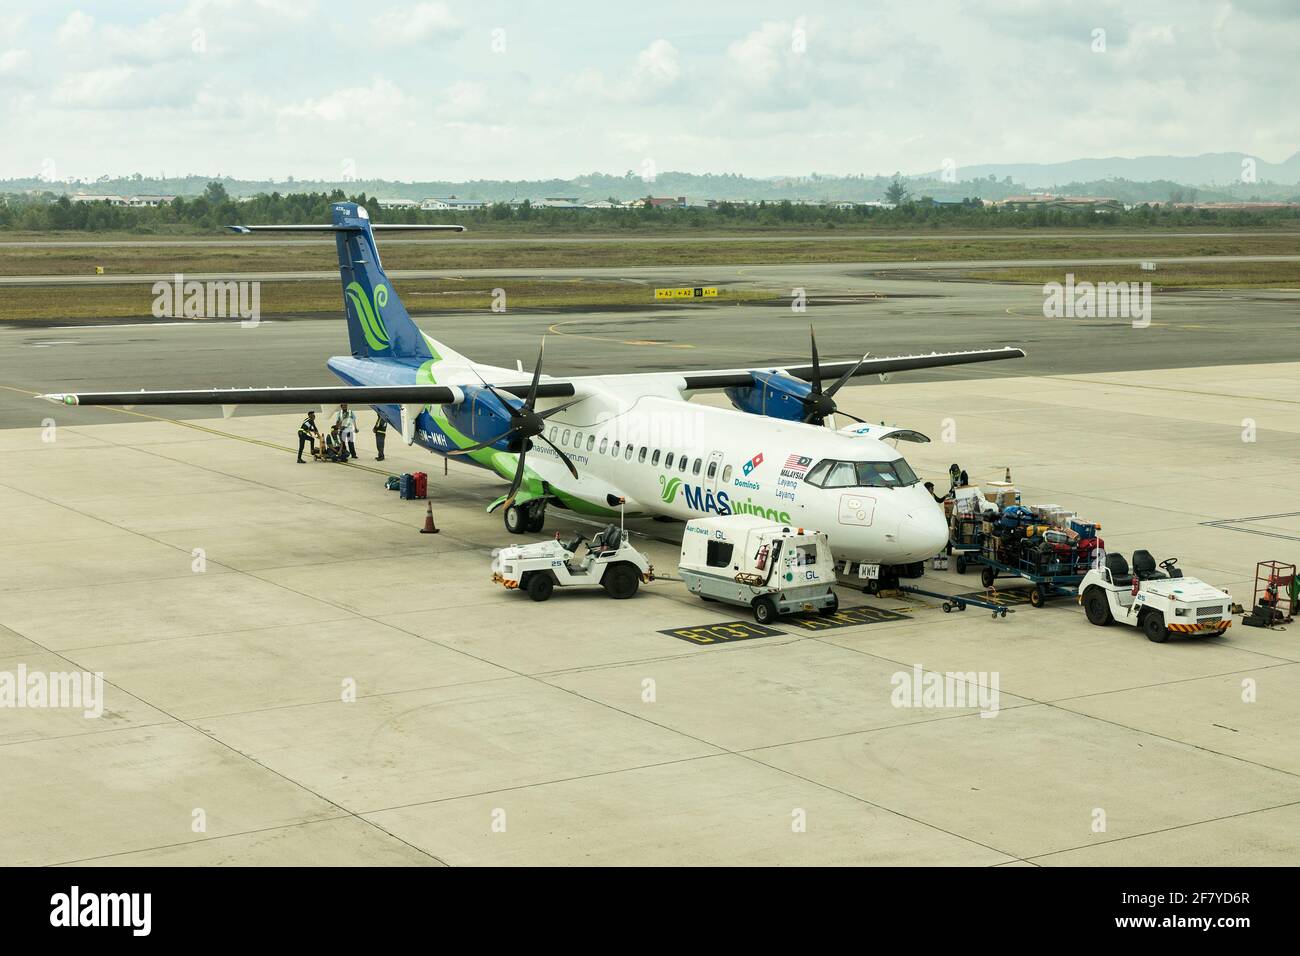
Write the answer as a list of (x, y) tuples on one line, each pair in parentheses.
[(951, 601)]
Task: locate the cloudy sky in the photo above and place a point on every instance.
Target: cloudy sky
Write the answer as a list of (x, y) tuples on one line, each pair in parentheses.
[(452, 89)]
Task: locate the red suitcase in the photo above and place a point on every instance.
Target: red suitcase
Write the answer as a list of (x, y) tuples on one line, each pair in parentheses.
[(421, 484)]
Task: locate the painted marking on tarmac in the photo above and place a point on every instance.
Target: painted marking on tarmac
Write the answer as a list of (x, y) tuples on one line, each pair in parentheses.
[(847, 617), (601, 338), (1012, 596), (1179, 391), (1230, 524), (726, 632)]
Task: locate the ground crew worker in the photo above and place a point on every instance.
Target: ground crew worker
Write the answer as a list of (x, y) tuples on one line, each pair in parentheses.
[(307, 435), (346, 421), (381, 432), (334, 447)]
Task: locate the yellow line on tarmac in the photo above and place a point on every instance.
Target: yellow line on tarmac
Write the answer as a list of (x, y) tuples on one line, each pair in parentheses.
[(601, 338)]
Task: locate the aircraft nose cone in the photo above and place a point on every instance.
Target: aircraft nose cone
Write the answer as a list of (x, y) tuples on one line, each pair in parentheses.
[(922, 534)]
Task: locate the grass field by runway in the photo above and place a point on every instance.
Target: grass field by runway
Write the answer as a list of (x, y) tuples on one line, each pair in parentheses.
[(324, 296), (272, 257)]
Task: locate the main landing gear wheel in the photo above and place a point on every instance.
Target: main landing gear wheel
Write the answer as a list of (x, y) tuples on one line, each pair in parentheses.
[(536, 518), (516, 519), (621, 581), (1096, 607), (1153, 626), (764, 610)]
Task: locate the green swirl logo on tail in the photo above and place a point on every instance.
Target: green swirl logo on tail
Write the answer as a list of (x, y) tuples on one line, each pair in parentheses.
[(669, 488), (372, 322)]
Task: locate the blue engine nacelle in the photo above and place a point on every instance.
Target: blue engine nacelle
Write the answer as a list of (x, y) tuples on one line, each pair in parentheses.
[(481, 416), (772, 395)]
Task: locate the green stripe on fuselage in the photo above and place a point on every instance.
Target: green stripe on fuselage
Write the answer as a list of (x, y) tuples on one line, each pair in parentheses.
[(503, 463)]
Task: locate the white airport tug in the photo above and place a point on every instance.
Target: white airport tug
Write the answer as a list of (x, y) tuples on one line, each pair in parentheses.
[(610, 562), (749, 561), (1160, 602)]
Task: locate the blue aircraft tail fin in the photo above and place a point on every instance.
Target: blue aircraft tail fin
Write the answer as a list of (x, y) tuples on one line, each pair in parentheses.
[(378, 324)]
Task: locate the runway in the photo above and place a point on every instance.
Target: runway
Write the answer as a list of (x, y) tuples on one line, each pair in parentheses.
[(886, 317)]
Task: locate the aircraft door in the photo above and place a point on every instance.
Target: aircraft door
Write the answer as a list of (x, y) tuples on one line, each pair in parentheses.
[(713, 471)]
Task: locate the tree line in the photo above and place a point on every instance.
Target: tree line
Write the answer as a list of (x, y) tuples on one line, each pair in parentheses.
[(215, 209)]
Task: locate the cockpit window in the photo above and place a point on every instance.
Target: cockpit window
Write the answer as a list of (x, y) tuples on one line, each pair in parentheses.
[(861, 474)]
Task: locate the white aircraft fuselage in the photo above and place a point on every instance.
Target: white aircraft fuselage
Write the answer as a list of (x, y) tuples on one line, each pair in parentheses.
[(639, 438)]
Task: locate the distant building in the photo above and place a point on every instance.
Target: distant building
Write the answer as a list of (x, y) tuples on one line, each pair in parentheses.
[(433, 203), (560, 202), (111, 200), (398, 203), (137, 201), (1050, 201)]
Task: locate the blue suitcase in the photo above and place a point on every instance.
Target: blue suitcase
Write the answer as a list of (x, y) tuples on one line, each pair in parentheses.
[(407, 490)]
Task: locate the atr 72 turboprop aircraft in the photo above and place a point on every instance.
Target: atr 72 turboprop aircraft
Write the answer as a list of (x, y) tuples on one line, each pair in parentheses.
[(594, 443)]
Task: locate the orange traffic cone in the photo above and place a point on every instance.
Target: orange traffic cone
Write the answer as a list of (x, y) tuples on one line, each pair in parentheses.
[(429, 526)]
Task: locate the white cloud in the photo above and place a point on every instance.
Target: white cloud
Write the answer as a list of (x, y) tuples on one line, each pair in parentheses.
[(14, 62), (400, 26), (78, 26), (706, 87), (356, 105)]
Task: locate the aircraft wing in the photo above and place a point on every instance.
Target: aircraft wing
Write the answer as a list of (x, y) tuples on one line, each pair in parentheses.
[(308, 395), (741, 377)]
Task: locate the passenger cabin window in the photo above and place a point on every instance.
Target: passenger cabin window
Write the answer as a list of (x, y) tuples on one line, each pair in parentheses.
[(682, 463), (719, 554), (713, 470), (577, 441), (861, 474), (640, 456), (565, 438), (591, 442), (654, 459), (627, 455), (604, 443), (668, 462), (726, 474), (615, 449)]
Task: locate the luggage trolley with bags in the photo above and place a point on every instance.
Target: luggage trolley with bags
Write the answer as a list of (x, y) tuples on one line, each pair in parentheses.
[(1026, 544)]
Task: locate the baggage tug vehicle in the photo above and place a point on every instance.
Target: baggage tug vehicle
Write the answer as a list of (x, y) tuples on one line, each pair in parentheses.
[(1160, 602)]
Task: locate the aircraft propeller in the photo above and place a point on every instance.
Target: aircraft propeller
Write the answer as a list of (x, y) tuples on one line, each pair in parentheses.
[(819, 404), (526, 423)]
